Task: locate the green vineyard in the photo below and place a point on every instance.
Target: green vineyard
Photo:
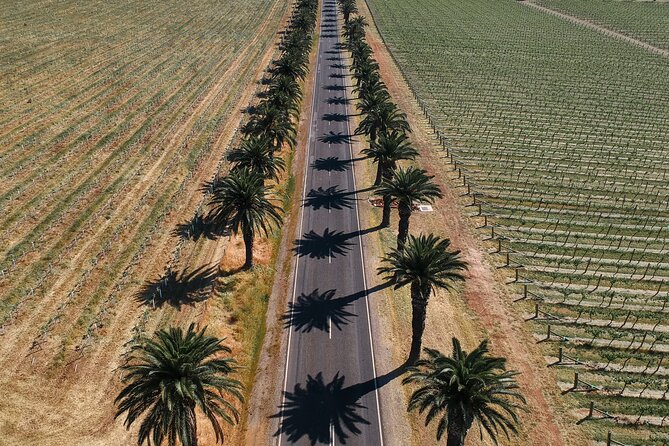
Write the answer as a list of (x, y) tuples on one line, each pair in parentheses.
[(561, 133), (644, 20)]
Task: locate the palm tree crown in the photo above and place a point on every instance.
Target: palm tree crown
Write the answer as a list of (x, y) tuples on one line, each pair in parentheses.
[(257, 155), (424, 263), (171, 376), (383, 118), (274, 123), (387, 151), (240, 200), (464, 388), (406, 187)]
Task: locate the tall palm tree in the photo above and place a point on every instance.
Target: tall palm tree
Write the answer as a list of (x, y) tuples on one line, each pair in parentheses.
[(171, 376), (287, 87), (348, 7), (290, 65), (464, 388), (387, 151), (425, 263), (275, 124), (404, 188), (257, 155), (240, 200), (383, 118)]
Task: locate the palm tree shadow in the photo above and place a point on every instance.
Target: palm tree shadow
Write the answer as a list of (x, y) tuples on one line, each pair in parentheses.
[(318, 409), (197, 228), (330, 198), (337, 100), (179, 288), (329, 244), (335, 117), (332, 164), (317, 310), (335, 138)]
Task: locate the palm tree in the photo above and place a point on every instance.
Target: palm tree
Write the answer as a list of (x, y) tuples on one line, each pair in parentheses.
[(171, 376), (275, 124), (383, 118), (290, 65), (240, 200), (464, 388), (257, 155), (287, 87), (387, 151), (348, 7), (425, 263), (404, 188)]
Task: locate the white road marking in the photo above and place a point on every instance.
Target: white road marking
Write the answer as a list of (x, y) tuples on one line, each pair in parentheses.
[(364, 279)]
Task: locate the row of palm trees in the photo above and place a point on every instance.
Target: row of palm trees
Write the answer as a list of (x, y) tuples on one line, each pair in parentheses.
[(177, 373), (242, 201), (465, 387)]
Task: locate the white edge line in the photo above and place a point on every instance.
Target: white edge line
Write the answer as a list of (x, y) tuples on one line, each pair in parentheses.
[(297, 258), (364, 274)]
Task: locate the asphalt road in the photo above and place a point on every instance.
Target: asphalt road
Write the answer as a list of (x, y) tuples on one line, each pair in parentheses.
[(330, 392)]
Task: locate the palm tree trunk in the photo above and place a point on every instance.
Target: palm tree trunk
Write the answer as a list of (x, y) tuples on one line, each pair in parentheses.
[(403, 227), (455, 436), (379, 174), (385, 217), (418, 315), (248, 242)]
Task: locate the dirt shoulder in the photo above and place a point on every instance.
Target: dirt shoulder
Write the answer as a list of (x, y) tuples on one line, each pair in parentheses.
[(481, 308)]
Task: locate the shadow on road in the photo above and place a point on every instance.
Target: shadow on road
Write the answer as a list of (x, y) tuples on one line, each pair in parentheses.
[(317, 310), (335, 138), (318, 409), (329, 244), (337, 100), (330, 198), (332, 164), (335, 117)]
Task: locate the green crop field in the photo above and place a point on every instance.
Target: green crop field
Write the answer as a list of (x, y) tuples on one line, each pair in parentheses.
[(644, 20), (562, 133), (112, 116)]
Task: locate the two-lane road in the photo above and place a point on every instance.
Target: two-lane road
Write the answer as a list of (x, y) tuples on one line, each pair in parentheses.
[(330, 393)]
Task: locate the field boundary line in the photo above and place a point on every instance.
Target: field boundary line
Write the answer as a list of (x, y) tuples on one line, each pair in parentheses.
[(599, 28)]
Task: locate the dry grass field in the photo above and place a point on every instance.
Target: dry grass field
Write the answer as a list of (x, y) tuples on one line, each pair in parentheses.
[(113, 114)]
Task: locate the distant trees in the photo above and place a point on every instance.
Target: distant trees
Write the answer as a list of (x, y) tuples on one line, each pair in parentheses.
[(241, 199), (464, 388), (171, 376)]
